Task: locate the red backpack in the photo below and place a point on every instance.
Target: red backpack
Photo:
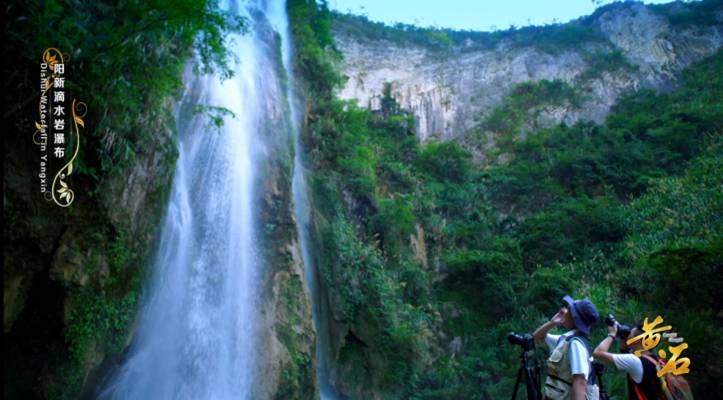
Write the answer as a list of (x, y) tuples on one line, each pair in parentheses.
[(673, 387)]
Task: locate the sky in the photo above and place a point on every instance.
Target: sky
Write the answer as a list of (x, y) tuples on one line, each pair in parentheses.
[(478, 15)]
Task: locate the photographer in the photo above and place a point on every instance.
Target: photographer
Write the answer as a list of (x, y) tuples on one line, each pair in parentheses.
[(643, 382), (569, 362)]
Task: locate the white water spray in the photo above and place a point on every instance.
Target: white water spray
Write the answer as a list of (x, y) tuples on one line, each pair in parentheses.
[(196, 333)]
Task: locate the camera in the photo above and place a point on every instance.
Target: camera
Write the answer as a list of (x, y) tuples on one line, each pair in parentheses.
[(525, 340), (529, 369), (623, 330)]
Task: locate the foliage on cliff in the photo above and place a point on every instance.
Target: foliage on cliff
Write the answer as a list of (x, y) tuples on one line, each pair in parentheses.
[(525, 101), (430, 260), (76, 272), (552, 38), (123, 57)]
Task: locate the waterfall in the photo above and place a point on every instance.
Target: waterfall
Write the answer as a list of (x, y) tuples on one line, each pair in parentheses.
[(198, 327), (302, 206)]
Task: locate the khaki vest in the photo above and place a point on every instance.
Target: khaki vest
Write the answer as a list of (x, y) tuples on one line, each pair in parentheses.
[(558, 384)]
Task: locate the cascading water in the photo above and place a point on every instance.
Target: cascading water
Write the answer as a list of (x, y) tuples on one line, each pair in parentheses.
[(302, 210), (198, 328)]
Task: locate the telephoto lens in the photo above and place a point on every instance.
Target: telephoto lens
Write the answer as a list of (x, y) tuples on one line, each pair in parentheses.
[(623, 330), (525, 340)]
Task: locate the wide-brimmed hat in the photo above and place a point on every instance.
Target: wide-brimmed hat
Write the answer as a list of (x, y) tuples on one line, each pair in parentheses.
[(584, 313)]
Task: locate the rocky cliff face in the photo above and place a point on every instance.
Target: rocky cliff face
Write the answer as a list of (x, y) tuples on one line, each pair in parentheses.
[(452, 90), (287, 366), (455, 90), (69, 271)]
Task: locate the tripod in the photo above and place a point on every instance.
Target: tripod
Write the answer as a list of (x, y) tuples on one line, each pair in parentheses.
[(599, 368), (532, 377)]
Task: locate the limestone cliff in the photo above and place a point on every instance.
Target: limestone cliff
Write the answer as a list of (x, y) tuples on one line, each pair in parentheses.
[(451, 89), (454, 86)]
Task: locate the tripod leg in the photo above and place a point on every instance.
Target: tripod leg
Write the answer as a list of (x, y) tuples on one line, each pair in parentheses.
[(532, 380), (517, 383), (533, 391)]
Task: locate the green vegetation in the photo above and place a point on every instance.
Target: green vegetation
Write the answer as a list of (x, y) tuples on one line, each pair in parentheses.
[(686, 14), (613, 62), (125, 60), (626, 213), (526, 100), (295, 372), (553, 38), (428, 259)]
